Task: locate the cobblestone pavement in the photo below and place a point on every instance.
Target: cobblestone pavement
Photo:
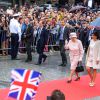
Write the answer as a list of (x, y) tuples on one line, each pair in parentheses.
[(50, 69)]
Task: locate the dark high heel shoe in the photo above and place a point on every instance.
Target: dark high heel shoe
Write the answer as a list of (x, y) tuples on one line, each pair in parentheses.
[(69, 81), (77, 79)]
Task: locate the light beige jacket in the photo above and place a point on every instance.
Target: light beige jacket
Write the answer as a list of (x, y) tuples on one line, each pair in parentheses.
[(96, 54)]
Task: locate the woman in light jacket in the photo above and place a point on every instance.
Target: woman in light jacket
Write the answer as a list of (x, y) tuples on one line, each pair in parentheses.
[(76, 53), (93, 58)]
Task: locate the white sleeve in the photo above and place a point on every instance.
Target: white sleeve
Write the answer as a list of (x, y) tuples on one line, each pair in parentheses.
[(19, 31), (66, 42), (98, 57), (10, 28)]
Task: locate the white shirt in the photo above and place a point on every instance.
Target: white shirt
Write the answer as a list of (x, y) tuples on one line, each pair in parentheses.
[(90, 3), (15, 27)]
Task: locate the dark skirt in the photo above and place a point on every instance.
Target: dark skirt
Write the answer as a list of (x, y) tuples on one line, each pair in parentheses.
[(3, 36)]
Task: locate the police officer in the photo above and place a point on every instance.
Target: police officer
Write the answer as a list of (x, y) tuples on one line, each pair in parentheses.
[(15, 30)]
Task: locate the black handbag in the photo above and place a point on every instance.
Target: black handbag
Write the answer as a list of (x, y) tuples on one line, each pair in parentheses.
[(79, 67)]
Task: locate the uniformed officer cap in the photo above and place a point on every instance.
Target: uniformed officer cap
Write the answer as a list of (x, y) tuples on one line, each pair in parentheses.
[(16, 15)]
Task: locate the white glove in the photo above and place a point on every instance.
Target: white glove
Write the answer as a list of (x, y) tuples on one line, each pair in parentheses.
[(66, 42)]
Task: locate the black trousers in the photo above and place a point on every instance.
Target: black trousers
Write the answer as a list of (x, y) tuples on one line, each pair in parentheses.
[(62, 51), (14, 45), (28, 50), (41, 56), (40, 50)]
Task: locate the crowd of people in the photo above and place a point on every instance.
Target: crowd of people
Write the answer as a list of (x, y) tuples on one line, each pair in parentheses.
[(32, 27), (52, 20)]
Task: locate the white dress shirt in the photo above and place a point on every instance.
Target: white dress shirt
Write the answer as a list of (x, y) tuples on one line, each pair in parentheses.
[(15, 27), (90, 2)]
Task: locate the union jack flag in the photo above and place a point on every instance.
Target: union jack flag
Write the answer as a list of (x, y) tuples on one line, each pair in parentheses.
[(24, 84)]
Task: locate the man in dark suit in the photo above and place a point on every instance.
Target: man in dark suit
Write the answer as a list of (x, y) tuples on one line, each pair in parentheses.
[(75, 23), (42, 38), (84, 36), (63, 34), (27, 36)]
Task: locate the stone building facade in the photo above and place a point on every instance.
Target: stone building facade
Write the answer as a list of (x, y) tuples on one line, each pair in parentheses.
[(72, 2)]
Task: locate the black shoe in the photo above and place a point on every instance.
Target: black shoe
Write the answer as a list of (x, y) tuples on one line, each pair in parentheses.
[(37, 64), (61, 65), (64, 65), (77, 79), (28, 60), (12, 58), (69, 81), (15, 59), (44, 58)]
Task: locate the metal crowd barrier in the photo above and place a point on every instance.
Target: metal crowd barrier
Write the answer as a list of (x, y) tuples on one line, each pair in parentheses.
[(5, 42)]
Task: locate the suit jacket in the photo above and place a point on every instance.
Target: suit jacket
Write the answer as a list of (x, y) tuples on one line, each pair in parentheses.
[(65, 34), (43, 40), (27, 33), (72, 22), (84, 36)]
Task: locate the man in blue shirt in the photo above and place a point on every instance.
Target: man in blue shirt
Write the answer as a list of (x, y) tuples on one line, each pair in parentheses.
[(27, 37)]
